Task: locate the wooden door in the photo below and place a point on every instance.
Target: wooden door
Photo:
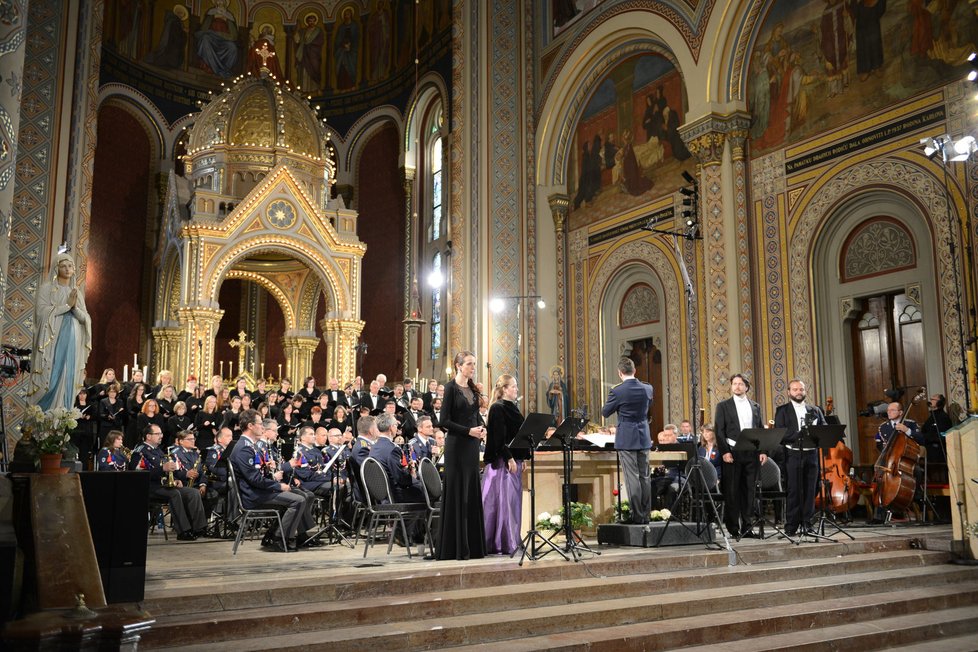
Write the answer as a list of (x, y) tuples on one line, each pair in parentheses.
[(648, 369), (888, 353)]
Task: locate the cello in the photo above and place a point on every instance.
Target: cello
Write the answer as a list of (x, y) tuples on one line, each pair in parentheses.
[(840, 493), (895, 470)]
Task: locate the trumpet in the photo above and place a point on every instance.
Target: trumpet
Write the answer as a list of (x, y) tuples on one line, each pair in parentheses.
[(169, 481), (196, 467)]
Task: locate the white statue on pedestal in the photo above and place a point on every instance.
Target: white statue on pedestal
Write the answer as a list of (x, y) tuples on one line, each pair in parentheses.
[(63, 338)]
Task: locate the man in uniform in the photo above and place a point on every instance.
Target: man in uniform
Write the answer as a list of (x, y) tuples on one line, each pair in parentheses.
[(216, 470), (631, 399), (401, 474), (185, 504), (422, 443)]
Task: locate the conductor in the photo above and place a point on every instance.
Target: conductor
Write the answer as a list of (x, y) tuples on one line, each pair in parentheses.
[(631, 399)]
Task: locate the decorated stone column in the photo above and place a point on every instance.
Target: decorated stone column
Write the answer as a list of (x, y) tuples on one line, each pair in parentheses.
[(410, 348), (341, 336), (198, 330), (720, 297), (299, 347), (167, 345), (559, 204)]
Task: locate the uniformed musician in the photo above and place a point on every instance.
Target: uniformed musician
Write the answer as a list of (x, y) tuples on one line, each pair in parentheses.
[(112, 457), (422, 443)]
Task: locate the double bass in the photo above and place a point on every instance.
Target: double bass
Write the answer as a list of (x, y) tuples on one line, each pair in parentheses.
[(840, 494), (895, 470)]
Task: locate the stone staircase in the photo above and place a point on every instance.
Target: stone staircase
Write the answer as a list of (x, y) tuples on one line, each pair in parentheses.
[(863, 595)]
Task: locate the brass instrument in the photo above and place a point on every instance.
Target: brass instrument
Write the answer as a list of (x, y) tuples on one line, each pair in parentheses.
[(126, 452), (196, 467), (169, 481)]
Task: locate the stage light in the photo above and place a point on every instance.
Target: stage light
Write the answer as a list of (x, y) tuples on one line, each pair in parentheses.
[(964, 148), (687, 202), (690, 222), (688, 177), (435, 279), (973, 60), (541, 304), (689, 192), (496, 304)]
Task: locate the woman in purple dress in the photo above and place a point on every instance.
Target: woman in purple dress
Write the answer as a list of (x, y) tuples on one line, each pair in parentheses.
[(502, 487)]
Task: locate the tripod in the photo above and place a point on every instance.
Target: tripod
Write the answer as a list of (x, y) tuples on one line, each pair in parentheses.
[(752, 441), (695, 482), (532, 433)]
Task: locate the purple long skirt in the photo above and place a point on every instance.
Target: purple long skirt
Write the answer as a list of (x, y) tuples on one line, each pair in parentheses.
[(502, 506)]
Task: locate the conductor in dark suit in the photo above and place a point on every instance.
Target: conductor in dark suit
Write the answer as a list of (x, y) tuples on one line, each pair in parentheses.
[(801, 465), (739, 475), (631, 399)]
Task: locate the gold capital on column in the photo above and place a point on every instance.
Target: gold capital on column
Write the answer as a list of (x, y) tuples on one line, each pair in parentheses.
[(559, 205), (198, 327)]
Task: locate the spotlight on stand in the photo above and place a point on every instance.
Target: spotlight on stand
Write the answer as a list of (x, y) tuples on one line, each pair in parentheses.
[(689, 177), (973, 61)]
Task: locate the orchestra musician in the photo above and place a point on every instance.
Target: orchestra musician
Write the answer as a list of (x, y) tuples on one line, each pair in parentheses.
[(113, 456), (186, 507), (216, 470), (191, 466)]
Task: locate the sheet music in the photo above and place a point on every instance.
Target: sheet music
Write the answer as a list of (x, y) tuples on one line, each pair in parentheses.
[(600, 439)]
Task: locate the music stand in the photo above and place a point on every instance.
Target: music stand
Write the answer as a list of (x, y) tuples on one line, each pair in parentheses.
[(824, 438), (566, 434), (330, 529), (755, 440), (531, 435)]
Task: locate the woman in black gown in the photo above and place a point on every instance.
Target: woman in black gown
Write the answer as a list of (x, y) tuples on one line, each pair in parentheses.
[(462, 528)]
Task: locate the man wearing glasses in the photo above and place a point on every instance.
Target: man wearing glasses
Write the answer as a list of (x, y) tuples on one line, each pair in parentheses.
[(186, 508), (258, 485)]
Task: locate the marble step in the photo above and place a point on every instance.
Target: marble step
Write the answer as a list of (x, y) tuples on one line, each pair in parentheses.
[(311, 584), (187, 628), (660, 610), (953, 608), (951, 630)]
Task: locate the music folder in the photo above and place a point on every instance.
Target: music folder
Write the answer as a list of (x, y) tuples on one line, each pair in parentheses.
[(533, 431)]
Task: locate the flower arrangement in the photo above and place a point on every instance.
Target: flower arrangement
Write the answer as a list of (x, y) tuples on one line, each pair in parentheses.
[(660, 515), (624, 513), (548, 521), (50, 431)]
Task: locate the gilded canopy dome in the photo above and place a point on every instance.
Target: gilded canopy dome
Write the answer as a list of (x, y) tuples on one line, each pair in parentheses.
[(258, 112)]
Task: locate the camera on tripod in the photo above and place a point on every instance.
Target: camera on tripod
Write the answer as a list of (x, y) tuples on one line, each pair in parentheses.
[(14, 361)]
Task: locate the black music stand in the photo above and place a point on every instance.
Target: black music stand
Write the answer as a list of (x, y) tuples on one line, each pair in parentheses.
[(824, 438), (755, 440), (330, 530), (531, 435), (565, 435)]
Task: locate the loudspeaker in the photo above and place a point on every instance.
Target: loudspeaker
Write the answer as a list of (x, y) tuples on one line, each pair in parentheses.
[(117, 503)]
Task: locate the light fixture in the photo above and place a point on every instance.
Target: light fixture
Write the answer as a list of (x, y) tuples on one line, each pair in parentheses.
[(436, 279), (541, 304), (688, 177), (973, 73), (689, 192), (496, 304), (963, 148)]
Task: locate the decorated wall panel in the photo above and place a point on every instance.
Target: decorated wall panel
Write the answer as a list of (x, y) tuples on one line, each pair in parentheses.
[(820, 64), (626, 147)]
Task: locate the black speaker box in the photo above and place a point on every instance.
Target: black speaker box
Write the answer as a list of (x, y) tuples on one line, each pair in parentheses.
[(117, 504)]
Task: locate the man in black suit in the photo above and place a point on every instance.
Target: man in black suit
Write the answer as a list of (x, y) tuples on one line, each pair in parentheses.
[(631, 399), (934, 428), (430, 395), (372, 399), (801, 465), (334, 396), (409, 428), (739, 475)]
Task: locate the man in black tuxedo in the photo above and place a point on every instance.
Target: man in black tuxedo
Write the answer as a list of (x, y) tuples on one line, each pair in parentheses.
[(430, 395), (409, 427), (739, 475), (631, 399), (334, 396), (372, 399), (801, 465)]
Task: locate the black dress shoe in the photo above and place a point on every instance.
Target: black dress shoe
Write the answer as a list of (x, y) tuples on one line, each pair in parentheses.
[(277, 546), (749, 535), (186, 536), (311, 543), (791, 532)]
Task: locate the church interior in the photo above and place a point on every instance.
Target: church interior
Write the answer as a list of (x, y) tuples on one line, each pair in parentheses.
[(341, 189)]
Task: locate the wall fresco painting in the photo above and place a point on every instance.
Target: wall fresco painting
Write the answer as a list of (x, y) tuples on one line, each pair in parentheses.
[(820, 64), (627, 150)]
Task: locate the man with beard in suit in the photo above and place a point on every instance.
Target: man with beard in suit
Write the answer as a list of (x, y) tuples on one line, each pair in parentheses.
[(801, 465)]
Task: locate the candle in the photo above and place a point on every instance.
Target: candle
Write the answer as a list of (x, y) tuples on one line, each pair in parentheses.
[(222, 368), (280, 373), (125, 373), (145, 373), (230, 368), (135, 362), (262, 375)]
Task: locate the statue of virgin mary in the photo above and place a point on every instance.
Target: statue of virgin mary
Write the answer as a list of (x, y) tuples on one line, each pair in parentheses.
[(63, 338)]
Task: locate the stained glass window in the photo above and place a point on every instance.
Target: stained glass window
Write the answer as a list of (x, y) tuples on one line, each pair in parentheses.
[(436, 310)]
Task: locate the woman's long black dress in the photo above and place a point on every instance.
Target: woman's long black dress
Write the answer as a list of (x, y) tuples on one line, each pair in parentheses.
[(462, 528)]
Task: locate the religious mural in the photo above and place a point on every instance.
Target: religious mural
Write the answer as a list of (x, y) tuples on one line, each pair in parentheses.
[(819, 64), (353, 54), (567, 12), (627, 149)]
